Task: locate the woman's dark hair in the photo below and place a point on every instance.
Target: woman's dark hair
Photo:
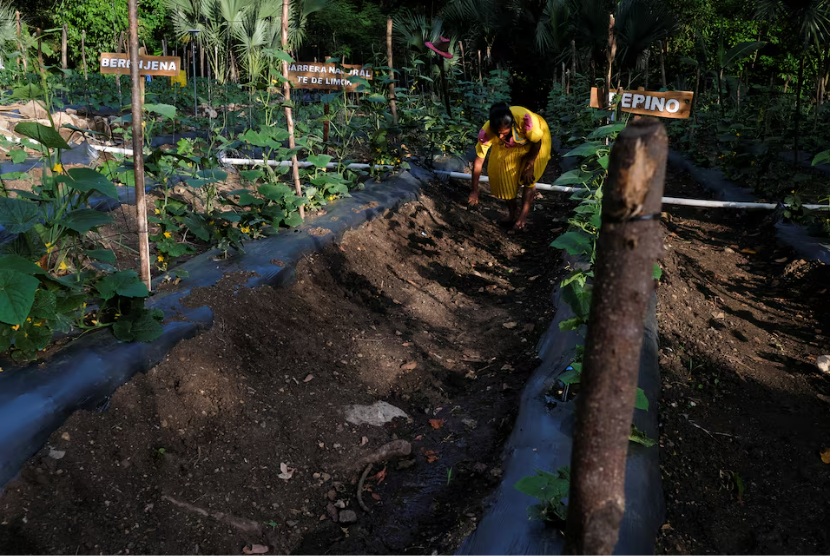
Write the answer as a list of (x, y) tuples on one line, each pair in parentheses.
[(500, 117)]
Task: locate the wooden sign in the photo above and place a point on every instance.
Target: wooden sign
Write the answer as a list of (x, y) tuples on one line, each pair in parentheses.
[(308, 75), (148, 65), (670, 104)]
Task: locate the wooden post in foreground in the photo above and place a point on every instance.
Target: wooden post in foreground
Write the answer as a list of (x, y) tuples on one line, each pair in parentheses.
[(64, 47), (287, 93), (629, 243), (138, 148), (392, 104), (83, 53)]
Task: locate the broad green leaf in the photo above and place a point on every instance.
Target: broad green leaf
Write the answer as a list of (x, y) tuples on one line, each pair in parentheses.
[(319, 160), (19, 264), (45, 305), (27, 92), (641, 401), (197, 226), (739, 52), (606, 131), (293, 220), (17, 215), (17, 155), (586, 149), (17, 294), (164, 110), (574, 177), (657, 272), (125, 283), (571, 324), (575, 243), (46, 136), (376, 98), (578, 298), (822, 157), (570, 377), (603, 161), (83, 220), (103, 255), (87, 179), (252, 175)]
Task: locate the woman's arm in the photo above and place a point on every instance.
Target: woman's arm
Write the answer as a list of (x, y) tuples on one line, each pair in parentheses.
[(529, 162), (477, 166)]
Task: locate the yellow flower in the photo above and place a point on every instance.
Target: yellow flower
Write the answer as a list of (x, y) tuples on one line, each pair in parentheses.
[(160, 258), (158, 211), (62, 266), (737, 135), (16, 327), (37, 263), (38, 324), (58, 168), (94, 322), (244, 229), (167, 234), (330, 197), (29, 320)]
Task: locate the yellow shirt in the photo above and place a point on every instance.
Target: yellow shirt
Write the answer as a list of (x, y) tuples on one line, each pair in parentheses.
[(527, 126)]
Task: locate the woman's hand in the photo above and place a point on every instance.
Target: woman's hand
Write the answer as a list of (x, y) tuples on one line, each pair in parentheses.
[(528, 174), (473, 200)]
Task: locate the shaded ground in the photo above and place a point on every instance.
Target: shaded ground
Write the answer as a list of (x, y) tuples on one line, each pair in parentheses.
[(431, 308), (742, 321)]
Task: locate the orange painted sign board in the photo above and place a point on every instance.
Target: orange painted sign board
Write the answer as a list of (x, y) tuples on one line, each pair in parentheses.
[(310, 75), (669, 104), (112, 63)]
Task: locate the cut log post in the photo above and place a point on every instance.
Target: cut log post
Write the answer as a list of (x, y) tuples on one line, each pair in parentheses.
[(138, 147), (289, 119), (629, 244)]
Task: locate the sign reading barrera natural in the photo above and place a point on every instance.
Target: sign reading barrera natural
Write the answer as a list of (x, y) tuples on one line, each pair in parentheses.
[(308, 75), (147, 65), (669, 104)]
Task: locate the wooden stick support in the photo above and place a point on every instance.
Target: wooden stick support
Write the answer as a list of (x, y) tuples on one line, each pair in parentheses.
[(295, 169), (629, 244), (64, 47), (138, 147), (83, 53), (392, 104)]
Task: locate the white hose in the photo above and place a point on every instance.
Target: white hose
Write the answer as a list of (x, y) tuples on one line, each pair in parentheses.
[(666, 200)]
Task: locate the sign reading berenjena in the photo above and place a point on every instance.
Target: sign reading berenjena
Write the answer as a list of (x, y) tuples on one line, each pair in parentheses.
[(147, 65), (307, 75)]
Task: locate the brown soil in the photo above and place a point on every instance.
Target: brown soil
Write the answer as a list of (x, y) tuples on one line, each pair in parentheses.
[(410, 309), (742, 320)]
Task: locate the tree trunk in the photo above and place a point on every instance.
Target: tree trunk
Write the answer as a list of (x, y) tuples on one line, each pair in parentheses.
[(787, 83), (479, 67), (627, 249), (138, 148), (573, 57), (662, 66), (645, 69), (463, 64), (392, 103), (797, 119), (64, 47), (164, 46), (201, 60), (720, 94), (286, 88)]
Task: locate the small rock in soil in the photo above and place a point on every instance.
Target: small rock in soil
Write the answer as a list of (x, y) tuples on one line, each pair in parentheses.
[(65, 436), (331, 495), (332, 511), (823, 364), (348, 516), (56, 454), (377, 414)]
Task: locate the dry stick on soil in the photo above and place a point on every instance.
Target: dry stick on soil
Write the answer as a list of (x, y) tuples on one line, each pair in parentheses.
[(240, 523), (138, 146), (628, 245), (360, 488), (286, 87)]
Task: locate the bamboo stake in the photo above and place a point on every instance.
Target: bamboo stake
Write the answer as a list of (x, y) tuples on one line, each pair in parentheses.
[(626, 251), (392, 104), (118, 76), (20, 46), (479, 67), (38, 33), (138, 148), (83, 53), (64, 47), (286, 87)]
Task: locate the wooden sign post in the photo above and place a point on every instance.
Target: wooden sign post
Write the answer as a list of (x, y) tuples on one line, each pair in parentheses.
[(308, 75), (669, 104), (112, 63)]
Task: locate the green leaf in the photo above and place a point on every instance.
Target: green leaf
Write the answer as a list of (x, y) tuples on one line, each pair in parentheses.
[(657, 272), (571, 324), (574, 177), (603, 161), (641, 401), (606, 131), (87, 179), (820, 158), (376, 98), (164, 110), (27, 92), (140, 327), (20, 264), (17, 294), (18, 216), (739, 52), (586, 149), (293, 220), (83, 220), (572, 376), (32, 340), (575, 243), (640, 437), (45, 305), (319, 160), (18, 155), (197, 225), (125, 283), (103, 255), (578, 298), (47, 136), (252, 175)]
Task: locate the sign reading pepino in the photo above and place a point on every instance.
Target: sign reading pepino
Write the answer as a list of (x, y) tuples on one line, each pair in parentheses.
[(308, 75), (669, 104), (112, 63)]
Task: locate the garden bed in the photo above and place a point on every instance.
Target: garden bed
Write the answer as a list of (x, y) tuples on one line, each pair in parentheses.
[(431, 284), (742, 319)]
